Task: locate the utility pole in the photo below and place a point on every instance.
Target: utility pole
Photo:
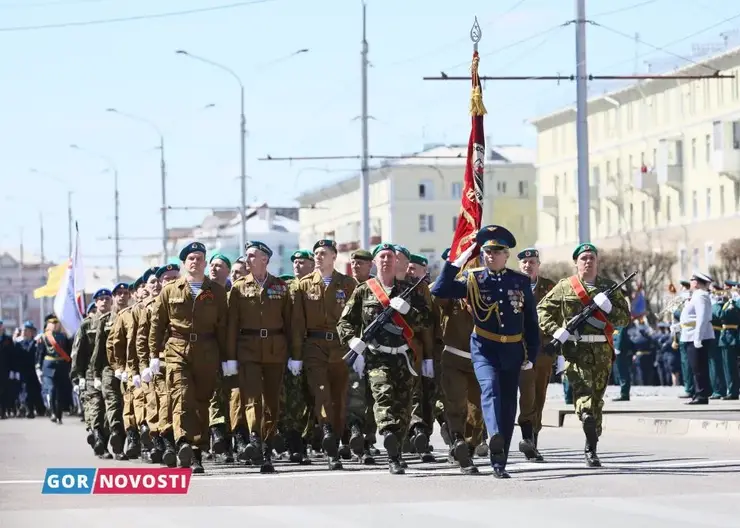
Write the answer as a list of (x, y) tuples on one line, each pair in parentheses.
[(42, 304), (117, 233), (69, 222), (20, 280), (365, 176), (163, 183), (582, 78)]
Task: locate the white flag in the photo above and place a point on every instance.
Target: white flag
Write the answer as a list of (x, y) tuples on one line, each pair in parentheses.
[(68, 303)]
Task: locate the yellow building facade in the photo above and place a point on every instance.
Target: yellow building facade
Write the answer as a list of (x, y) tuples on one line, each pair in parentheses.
[(415, 202), (664, 169)]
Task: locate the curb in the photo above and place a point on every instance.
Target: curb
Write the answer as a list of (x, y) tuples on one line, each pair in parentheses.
[(715, 429)]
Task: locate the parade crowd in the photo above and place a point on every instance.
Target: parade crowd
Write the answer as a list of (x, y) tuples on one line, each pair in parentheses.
[(224, 361)]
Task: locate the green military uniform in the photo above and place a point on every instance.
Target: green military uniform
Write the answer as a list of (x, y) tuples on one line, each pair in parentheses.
[(386, 358), (729, 342), (624, 349), (588, 357), (716, 372)]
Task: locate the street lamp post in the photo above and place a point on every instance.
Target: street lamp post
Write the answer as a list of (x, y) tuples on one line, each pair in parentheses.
[(116, 231), (162, 172), (242, 135)]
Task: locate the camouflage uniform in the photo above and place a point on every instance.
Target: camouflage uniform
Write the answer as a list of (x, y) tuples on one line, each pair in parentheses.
[(111, 385), (92, 398)]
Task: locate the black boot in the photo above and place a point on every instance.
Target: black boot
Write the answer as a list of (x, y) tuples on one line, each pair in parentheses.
[(254, 448), (169, 454), (592, 439), (133, 449), (155, 455), (420, 441), (461, 452), (497, 449), (297, 448), (267, 466), (197, 463), (117, 441), (356, 441), (91, 438), (526, 445), (329, 442), (218, 440), (184, 453), (99, 443), (279, 443), (241, 446), (444, 432), (145, 434)]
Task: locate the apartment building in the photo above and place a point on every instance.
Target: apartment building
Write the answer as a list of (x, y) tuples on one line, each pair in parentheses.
[(664, 167), (415, 202)]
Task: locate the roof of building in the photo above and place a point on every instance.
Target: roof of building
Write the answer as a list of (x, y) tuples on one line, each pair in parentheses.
[(706, 66), (29, 259)]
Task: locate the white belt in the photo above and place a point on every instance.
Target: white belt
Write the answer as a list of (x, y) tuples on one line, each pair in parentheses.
[(457, 352), (402, 350), (588, 339)]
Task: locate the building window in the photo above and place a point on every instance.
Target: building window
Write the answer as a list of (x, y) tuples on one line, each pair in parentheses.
[(608, 221), (695, 204), (736, 135), (454, 223), (709, 203), (682, 259), (643, 214), (501, 187), (632, 216), (426, 223), (722, 200), (556, 184), (717, 133), (708, 149), (457, 190), (426, 190), (708, 255), (695, 259), (522, 189), (693, 153), (668, 209)]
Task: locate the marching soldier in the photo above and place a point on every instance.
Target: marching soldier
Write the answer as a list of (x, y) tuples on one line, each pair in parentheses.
[(107, 377), (54, 361), (533, 382), (505, 337), (730, 341), (82, 375), (319, 300), (588, 353), (686, 372), (259, 314), (698, 334), (193, 310), (716, 372), (389, 367)]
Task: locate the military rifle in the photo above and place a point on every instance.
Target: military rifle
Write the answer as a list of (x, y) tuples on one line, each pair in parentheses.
[(383, 318), (575, 323)]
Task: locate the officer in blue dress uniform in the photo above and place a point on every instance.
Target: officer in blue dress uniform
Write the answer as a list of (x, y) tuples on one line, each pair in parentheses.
[(505, 337)]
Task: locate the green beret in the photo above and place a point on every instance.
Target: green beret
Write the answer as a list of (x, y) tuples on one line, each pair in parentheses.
[(192, 248), (528, 253), (327, 244), (164, 269), (583, 248), (286, 277), (222, 258), (421, 260), (403, 251), (258, 245), (148, 273), (382, 247), (301, 254), (361, 254)]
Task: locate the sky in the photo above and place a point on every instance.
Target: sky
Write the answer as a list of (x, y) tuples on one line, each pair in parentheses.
[(57, 82)]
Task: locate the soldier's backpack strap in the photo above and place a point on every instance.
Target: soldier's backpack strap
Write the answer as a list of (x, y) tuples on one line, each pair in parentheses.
[(599, 315), (397, 318)]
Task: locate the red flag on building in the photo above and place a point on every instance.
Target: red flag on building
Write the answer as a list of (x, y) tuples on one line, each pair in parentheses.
[(471, 207)]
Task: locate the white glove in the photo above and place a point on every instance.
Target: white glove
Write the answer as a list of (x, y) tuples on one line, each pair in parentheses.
[(76, 389), (11, 376), (146, 375), (359, 365), (230, 367), (427, 368), (697, 343), (358, 345), (616, 352), (676, 327), (97, 383), (136, 380), (400, 305), (464, 256), (81, 383), (561, 334), (154, 366), (559, 365), (527, 365), (603, 302), (124, 376), (18, 376), (118, 374), (295, 367), (39, 374)]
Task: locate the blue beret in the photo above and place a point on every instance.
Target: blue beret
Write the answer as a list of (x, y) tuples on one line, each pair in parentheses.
[(403, 251), (102, 292), (119, 286), (29, 325), (164, 269), (383, 246), (495, 237), (148, 273), (583, 248), (301, 254), (325, 243), (264, 248), (731, 283), (90, 307), (528, 253), (446, 253), (192, 248)]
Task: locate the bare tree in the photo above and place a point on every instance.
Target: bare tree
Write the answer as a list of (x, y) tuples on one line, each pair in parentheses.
[(729, 265)]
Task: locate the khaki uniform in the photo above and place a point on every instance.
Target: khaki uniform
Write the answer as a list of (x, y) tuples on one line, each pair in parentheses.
[(314, 340), (533, 382), (193, 352), (158, 412), (257, 337), (122, 351), (424, 394)]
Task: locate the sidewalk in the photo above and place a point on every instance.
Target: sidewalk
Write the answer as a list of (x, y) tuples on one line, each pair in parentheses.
[(651, 410)]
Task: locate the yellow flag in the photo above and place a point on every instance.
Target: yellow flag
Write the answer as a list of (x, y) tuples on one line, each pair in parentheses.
[(53, 282)]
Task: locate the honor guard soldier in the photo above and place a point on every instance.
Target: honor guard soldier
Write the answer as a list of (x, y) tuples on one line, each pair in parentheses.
[(505, 337), (533, 382), (590, 351), (389, 357), (716, 373), (259, 314), (698, 334), (730, 341), (193, 310), (55, 362), (319, 301)]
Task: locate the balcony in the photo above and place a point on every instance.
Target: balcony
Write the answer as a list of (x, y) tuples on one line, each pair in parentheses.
[(726, 154), (548, 204), (645, 179), (670, 164)]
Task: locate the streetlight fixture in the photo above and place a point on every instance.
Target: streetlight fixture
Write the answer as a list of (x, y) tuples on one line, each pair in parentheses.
[(114, 169), (242, 132)]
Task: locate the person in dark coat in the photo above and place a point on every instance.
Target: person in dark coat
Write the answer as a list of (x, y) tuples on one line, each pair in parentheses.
[(54, 360), (27, 351)]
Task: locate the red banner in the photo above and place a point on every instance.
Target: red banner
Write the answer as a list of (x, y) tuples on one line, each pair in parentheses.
[(471, 207)]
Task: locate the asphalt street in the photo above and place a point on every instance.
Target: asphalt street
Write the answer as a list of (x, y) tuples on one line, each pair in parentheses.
[(648, 481)]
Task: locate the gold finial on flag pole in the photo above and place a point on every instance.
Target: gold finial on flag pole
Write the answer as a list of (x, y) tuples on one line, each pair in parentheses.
[(476, 99), (475, 34)]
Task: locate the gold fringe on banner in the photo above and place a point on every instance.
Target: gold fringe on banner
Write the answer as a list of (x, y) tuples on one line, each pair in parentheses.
[(476, 99)]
